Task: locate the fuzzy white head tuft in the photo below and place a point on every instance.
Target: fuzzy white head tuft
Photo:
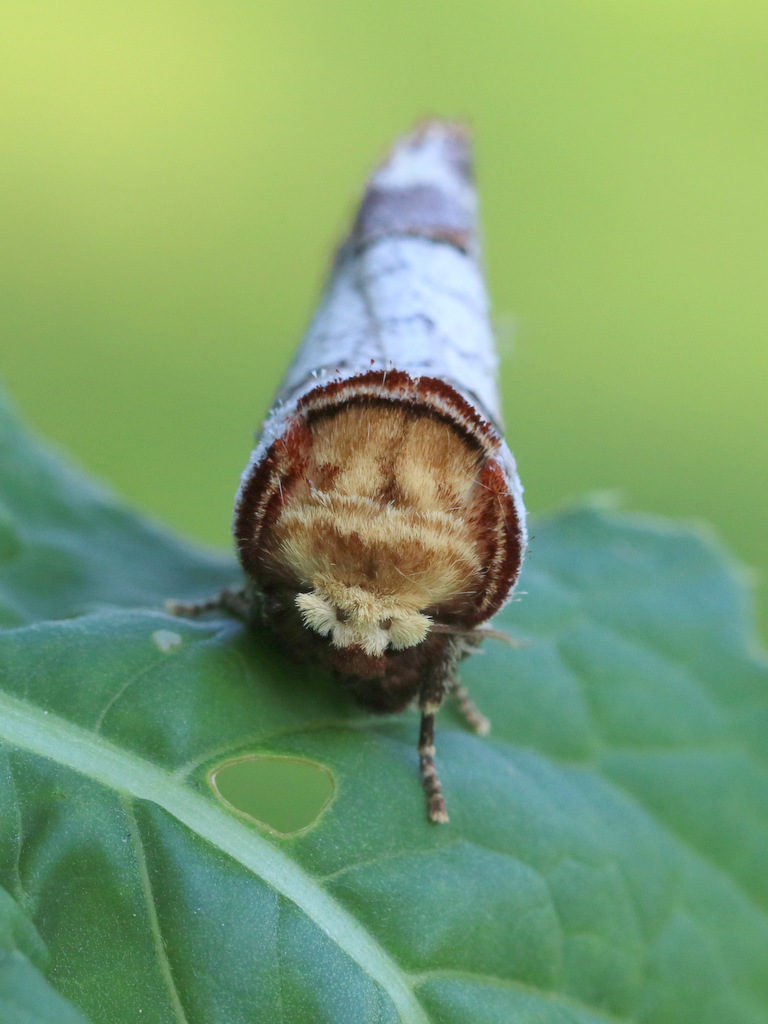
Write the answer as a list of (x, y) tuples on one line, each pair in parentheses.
[(354, 617)]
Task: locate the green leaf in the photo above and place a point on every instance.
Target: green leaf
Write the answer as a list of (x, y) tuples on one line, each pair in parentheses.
[(606, 854), (24, 994)]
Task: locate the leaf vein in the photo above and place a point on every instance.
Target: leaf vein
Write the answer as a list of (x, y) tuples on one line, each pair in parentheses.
[(154, 921)]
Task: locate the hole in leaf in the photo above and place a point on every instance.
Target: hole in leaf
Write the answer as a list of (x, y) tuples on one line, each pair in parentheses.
[(285, 793)]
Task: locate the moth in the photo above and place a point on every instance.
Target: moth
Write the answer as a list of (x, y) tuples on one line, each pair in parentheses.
[(379, 522)]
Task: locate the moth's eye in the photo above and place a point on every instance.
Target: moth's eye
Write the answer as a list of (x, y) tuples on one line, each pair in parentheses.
[(341, 615), (386, 624)]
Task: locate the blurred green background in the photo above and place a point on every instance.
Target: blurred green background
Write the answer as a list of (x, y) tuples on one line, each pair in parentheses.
[(175, 175)]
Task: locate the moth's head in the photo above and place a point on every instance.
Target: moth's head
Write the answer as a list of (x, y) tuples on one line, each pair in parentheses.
[(352, 616)]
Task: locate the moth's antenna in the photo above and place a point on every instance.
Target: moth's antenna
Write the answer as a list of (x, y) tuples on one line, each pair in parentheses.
[(481, 632)]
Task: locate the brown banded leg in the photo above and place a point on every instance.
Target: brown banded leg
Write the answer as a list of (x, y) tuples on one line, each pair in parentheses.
[(431, 695), (233, 602), (436, 810), (474, 716)]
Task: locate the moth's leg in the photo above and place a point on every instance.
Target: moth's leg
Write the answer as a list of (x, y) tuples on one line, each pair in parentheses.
[(474, 716), (430, 699), (233, 602), (430, 780)]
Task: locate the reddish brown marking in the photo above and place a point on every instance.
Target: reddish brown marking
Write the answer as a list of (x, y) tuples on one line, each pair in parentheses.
[(282, 469), (429, 393), (324, 476), (372, 401), (392, 493), (501, 533)]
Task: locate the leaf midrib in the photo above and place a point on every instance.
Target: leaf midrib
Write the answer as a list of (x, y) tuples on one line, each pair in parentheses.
[(43, 733)]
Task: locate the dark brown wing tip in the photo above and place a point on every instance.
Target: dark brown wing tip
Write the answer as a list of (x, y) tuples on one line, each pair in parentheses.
[(423, 188)]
